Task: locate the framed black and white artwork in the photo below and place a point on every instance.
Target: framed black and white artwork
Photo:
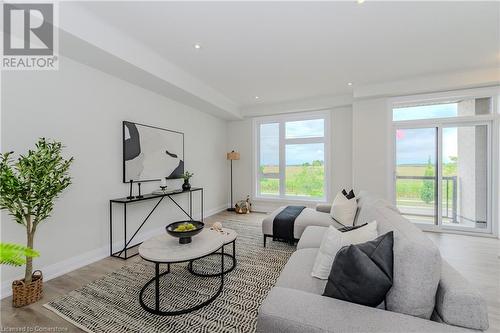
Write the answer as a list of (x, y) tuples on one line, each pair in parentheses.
[(151, 153)]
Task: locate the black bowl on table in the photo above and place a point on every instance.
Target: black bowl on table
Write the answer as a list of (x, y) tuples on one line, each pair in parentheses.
[(185, 236)]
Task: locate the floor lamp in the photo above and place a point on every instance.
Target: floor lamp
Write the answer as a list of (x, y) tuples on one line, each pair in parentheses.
[(232, 156)]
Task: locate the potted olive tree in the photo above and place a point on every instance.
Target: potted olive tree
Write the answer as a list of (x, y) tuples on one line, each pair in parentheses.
[(28, 189)]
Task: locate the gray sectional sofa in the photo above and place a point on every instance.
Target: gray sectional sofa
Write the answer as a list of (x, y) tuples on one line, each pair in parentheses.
[(428, 295)]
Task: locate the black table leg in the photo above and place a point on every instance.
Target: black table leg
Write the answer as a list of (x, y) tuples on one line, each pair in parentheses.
[(156, 280), (125, 229), (191, 205), (223, 254), (110, 228), (157, 286)]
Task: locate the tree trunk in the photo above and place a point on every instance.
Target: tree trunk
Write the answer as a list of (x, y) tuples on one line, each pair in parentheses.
[(29, 260)]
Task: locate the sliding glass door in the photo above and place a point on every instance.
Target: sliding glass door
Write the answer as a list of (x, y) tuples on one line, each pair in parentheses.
[(465, 177), (442, 175), (416, 173)]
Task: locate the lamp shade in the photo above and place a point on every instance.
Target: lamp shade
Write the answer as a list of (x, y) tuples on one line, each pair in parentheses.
[(234, 155)]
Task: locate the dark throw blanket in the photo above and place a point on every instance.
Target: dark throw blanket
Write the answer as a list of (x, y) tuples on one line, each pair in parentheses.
[(283, 223)]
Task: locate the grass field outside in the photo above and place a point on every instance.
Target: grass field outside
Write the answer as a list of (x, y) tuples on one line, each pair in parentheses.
[(308, 180), (410, 193), (301, 180)]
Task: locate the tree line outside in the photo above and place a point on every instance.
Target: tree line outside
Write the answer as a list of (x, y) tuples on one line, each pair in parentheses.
[(421, 192), (306, 179)]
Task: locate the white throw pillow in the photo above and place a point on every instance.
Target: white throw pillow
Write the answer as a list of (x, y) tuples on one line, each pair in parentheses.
[(330, 245), (344, 210), (360, 235), (333, 241)]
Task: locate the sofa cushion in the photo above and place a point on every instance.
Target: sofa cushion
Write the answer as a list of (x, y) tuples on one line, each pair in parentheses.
[(364, 233), (362, 273), (293, 311), (366, 203), (312, 237), (324, 208), (306, 218), (297, 273), (457, 303), (417, 265)]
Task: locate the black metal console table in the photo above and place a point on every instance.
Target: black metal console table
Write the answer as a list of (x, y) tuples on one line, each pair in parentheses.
[(122, 254)]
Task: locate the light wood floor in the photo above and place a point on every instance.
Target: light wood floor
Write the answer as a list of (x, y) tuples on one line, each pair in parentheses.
[(475, 257)]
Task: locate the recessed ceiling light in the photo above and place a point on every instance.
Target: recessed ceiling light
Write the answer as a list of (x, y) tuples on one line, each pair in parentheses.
[(360, 1), (349, 83), (197, 46), (256, 97)]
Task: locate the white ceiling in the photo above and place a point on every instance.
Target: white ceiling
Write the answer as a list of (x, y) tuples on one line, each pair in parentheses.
[(284, 51)]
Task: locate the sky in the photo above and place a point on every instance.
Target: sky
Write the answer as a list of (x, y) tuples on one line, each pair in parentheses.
[(414, 146), (294, 154)]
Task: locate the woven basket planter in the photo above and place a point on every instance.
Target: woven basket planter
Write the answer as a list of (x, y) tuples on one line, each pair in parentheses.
[(24, 294)]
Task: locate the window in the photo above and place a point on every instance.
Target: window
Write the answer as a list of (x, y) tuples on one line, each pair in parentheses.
[(465, 107), (443, 163), (292, 156)]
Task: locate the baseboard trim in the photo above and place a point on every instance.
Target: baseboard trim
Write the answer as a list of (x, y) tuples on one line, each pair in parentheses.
[(65, 266)]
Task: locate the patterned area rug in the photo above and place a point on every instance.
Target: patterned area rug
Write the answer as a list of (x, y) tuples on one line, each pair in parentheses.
[(111, 304)]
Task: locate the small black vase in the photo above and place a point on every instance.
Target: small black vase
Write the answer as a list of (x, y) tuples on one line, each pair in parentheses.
[(186, 186)]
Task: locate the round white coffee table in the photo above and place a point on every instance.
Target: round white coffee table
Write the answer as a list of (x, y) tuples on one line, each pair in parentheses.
[(165, 249), (229, 236)]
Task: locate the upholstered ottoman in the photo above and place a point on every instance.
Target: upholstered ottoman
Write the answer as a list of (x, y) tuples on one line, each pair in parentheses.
[(308, 217)]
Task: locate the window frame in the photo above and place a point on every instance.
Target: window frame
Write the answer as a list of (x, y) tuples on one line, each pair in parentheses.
[(281, 120), (491, 121)]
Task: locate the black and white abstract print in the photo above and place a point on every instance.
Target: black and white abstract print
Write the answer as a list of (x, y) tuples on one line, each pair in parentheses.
[(151, 153)]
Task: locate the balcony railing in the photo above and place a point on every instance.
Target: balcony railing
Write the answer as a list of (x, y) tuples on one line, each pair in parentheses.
[(450, 199)]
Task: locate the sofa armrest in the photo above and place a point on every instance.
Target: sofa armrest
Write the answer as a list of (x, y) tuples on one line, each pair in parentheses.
[(323, 208), (294, 311), (457, 303)]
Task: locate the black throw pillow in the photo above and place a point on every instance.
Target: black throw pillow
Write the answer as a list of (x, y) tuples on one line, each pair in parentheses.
[(362, 273), (348, 228), (349, 195)]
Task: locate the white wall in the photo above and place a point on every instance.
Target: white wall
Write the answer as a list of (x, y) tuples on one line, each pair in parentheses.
[(371, 128), (84, 108), (240, 139)]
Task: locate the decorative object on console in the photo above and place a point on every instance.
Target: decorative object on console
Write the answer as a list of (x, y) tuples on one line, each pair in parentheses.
[(344, 210), (232, 156), (140, 195), (28, 188), (243, 206), (186, 185), (163, 184), (151, 153), (363, 273), (184, 230), (130, 196)]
